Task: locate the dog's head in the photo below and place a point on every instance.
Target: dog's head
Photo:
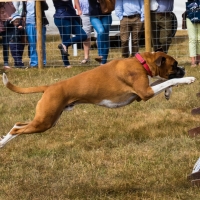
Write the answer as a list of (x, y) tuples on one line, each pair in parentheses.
[(167, 66)]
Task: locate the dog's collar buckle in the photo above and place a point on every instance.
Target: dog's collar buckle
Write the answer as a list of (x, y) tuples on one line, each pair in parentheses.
[(143, 62)]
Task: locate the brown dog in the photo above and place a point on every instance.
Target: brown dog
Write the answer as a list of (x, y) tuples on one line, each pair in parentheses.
[(114, 84)]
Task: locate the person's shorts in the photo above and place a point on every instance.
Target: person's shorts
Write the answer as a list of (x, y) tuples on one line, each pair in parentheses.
[(87, 27)]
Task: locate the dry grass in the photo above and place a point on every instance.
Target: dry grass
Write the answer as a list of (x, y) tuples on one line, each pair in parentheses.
[(141, 151)]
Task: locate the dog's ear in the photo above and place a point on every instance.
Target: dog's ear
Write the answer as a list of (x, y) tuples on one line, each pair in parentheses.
[(160, 60), (159, 49)]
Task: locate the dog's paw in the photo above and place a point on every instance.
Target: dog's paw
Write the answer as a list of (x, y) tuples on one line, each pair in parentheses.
[(168, 93), (190, 80)]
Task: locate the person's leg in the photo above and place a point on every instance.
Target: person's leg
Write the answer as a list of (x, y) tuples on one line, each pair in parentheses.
[(64, 28), (32, 40), (13, 51), (78, 32), (137, 27), (86, 44), (166, 31), (192, 41), (106, 22), (44, 44), (20, 50), (198, 43), (124, 36), (97, 25), (155, 31), (86, 47), (5, 44)]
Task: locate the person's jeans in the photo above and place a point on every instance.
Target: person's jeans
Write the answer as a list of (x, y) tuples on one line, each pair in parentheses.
[(67, 27), (32, 40), (5, 43), (102, 26), (17, 50)]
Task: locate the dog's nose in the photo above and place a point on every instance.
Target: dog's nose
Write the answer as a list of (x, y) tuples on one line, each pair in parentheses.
[(183, 68)]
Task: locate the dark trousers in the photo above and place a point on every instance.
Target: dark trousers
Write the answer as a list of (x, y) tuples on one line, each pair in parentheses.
[(161, 25), (5, 44), (130, 25), (17, 53)]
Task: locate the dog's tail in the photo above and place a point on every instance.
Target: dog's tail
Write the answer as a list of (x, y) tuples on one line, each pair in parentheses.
[(20, 90)]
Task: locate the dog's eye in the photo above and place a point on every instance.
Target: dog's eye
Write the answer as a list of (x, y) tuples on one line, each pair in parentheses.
[(163, 60), (174, 66)]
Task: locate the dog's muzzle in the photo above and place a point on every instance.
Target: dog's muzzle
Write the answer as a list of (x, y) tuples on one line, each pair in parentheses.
[(179, 73)]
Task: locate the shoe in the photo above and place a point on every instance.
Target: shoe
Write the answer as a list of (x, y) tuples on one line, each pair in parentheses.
[(6, 68), (33, 67), (63, 49), (85, 61), (98, 59), (193, 65), (68, 67)]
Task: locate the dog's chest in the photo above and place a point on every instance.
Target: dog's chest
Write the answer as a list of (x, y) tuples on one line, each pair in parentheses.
[(118, 103)]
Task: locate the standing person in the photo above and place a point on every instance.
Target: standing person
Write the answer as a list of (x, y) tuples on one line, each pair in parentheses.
[(101, 23), (161, 24), (15, 35), (67, 22), (18, 6), (131, 16), (29, 13), (6, 10), (87, 27), (193, 28)]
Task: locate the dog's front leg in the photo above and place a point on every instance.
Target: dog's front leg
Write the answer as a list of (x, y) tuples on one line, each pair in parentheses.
[(167, 84), (168, 91)]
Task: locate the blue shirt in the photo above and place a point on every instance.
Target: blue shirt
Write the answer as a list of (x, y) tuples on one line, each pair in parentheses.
[(129, 7), (165, 5), (84, 4), (30, 16)]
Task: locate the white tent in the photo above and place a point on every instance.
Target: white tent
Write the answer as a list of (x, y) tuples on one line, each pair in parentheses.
[(179, 8)]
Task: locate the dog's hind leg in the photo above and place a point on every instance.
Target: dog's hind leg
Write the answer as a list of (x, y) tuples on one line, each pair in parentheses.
[(10, 136), (38, 125), (23, 128)]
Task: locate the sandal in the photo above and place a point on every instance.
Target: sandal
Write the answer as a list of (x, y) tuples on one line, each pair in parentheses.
[(85, 61), (6, 67), (63, 49), (193, 65), (68, 67), (99, 59)]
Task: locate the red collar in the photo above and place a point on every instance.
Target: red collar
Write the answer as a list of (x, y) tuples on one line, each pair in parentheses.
[(143, 62)]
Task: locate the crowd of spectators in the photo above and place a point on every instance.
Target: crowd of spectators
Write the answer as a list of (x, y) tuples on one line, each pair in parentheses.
[(77, 18)]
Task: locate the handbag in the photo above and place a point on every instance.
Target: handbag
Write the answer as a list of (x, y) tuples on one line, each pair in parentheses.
[(6, 10), (193, 11), (107, 6)]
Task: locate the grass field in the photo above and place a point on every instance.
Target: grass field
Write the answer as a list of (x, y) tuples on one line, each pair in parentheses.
[(141, 151)]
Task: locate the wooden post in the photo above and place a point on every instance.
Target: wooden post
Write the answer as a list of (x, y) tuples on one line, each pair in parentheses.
[(39, 33), (147, 25)]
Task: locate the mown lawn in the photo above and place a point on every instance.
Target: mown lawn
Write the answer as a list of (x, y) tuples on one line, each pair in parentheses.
[(141, 151)]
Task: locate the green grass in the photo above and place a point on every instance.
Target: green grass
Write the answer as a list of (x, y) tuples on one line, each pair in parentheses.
[(140, 151)]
